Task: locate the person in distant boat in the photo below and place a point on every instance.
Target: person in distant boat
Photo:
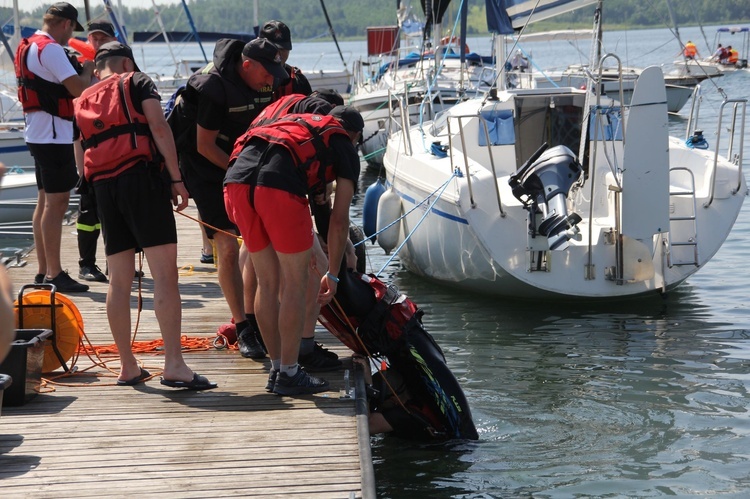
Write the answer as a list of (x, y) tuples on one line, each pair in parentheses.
[(519, 62), (131, 165), (690, 51), (732, 56), (720, 55), (88, 225), (296, 83), (273, 169), (218, 104), (48, 80)]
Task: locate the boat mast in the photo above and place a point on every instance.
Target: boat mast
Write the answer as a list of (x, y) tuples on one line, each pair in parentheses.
[(195, 31), (333, 34), (164, 33)]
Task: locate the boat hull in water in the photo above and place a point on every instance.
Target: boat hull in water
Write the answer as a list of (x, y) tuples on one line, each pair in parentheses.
[(651, 210)]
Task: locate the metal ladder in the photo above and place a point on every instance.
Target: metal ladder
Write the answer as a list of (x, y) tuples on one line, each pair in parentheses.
[(688, 218)]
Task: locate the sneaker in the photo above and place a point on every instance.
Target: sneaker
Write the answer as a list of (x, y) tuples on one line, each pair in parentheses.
[(39, 279), (272, 374), (207, 258), (299, 384), (249, 346), (92, 273), (319, 359), (66, 284)]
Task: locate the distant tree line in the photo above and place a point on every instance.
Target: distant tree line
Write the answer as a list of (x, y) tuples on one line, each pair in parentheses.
[(350, 18)]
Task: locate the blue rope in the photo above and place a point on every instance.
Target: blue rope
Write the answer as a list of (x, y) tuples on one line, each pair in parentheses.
[(444, 186), (408, 212)]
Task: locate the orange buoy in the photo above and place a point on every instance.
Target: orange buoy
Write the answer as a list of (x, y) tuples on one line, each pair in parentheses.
[(84, 48), (68, 326)]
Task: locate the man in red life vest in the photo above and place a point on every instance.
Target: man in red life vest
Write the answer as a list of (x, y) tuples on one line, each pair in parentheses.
[(128, 153), (272, 169), (48, 82), (88, 225)]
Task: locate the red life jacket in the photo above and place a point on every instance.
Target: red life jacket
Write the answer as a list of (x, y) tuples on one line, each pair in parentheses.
[(288, 87), (276, 110), (306, 137), (38, 94), (114, 135)]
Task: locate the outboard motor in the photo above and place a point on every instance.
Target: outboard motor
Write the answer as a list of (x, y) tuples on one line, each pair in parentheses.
[(542, 185)]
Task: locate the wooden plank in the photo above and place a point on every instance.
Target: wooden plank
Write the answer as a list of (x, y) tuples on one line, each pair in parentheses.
[(86, 437)]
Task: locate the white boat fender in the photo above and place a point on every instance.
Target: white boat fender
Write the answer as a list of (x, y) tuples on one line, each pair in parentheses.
[(370, 209), (389, 211)]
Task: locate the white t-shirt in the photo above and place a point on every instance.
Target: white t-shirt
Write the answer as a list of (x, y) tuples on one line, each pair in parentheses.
[(56, 68)]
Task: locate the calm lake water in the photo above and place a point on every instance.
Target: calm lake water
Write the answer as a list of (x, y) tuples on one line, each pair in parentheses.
[(644, 398)]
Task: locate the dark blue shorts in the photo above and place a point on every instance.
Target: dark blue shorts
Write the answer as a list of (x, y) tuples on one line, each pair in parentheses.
[(135, 209)]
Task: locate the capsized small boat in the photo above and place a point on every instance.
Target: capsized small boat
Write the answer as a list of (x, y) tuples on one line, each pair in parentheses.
[(376, 320)]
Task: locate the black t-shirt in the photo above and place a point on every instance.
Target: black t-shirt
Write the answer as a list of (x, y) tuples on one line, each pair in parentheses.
[(261, 163)]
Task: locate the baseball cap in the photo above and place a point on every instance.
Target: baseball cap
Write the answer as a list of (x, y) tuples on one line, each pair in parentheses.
[(266, 53), (278, 33), (349, 118), (102, 27), (66, 11), (114, 49)]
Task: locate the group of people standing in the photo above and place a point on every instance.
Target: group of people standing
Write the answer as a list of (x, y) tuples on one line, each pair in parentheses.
[(250, 174)]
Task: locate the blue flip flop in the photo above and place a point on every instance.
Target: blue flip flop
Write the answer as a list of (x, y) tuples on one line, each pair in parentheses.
[(197, 383), (134, 381)]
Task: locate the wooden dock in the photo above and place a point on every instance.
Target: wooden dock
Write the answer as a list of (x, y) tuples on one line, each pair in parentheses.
[(84, 436)]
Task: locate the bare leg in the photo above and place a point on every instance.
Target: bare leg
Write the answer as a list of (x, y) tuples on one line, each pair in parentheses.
[(121, 268), (230, 276), (54, 211), (266, 264), (294, 273), (162, 263), (249, 281), (312, 308), (36, 224)]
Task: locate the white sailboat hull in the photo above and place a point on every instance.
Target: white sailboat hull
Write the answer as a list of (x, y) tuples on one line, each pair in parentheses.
[(471, 239)]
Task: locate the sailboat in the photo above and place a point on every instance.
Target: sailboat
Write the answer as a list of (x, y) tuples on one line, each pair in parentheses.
[(562, 193), (433, 72)]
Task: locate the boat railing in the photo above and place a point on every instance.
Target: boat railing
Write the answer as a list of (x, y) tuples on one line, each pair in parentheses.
[(695, 107), (398, 116), (462, 136), (738, 108)]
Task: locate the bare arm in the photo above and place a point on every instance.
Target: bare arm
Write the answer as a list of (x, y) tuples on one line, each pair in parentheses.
[(208, 149), (338, 233), (78, 83), (165, 143), (78, 150)]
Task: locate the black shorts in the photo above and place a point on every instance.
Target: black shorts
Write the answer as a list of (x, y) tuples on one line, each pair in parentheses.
[(55, 167), (205, 183), (136, 210)]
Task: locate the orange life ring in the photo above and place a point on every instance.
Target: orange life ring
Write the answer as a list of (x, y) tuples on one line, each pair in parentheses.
[(84, 48), (68, 325)]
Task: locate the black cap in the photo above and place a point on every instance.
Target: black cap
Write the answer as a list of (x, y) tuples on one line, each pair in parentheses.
[(278, 33), (102, 27), (349, 118), (267, 54), (329, 95), (114, 49), (66, 11)]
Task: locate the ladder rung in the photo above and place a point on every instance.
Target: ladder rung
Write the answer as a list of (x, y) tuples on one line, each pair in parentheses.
[(682, 193), (684, 244), (681, 219)]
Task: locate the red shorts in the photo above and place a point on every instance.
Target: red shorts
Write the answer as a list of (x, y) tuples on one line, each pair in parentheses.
[(276, 217)]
